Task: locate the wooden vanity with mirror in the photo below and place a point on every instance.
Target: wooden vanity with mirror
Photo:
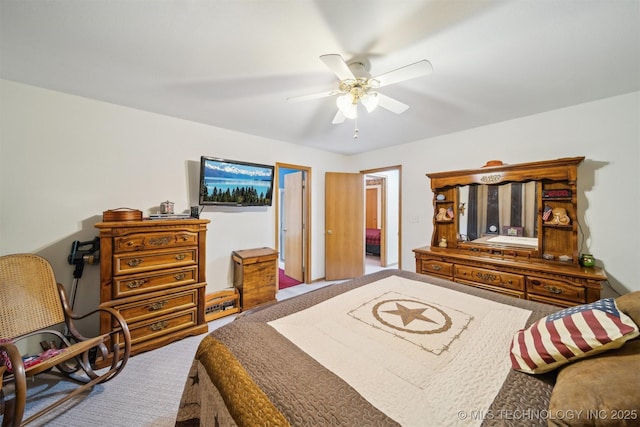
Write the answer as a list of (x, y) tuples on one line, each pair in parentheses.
[(511, 229)]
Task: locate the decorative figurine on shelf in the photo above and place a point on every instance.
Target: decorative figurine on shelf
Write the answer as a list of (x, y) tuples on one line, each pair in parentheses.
[(443, 242), (444, 214), (450, 213), (558, 217)]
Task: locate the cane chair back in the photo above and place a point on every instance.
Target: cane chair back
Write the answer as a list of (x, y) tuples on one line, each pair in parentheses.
[(28, 295)]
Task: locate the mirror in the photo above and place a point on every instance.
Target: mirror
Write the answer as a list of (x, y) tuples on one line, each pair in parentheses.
[(499, 213)]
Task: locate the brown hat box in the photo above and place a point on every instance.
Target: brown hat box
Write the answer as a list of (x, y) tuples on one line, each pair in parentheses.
[(122, 214)]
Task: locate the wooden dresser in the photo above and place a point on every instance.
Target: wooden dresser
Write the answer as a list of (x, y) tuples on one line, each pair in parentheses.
[(153, 273), (255, 276), (495, 228), (562, 285)]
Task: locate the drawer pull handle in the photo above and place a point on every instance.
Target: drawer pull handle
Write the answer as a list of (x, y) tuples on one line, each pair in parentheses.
[(185, 238), (158, 326), (553, 289), (536, 282), (135, 262), (180, 257), (130, 243), (179, 276), (436, 267), (136, 284), (157, 305)]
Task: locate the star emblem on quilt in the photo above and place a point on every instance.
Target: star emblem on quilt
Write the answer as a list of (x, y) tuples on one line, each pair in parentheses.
[(408, 315), (195, 379), (413, 316)]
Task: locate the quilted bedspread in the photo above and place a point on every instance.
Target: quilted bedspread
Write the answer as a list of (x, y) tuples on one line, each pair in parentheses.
[(391, 348), (372, 236)]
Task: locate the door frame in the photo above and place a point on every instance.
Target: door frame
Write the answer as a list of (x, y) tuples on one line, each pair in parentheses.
[(306, 244), (381, 193), (387, 169)]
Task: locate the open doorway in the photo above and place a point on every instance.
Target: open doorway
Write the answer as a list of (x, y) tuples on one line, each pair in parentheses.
[(382, 218), (293, 227)]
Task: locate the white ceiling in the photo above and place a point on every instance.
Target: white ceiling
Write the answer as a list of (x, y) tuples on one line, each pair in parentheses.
[(233, 63)]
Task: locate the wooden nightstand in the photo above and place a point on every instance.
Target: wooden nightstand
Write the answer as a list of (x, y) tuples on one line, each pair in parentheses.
[(255, 276)]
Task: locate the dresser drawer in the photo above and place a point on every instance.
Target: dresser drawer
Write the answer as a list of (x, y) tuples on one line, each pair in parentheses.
[(492, 288), (552, 301), (489, 277), (163, 325), (555, 289), (153, 260), (134, 284), (157, 240), (429, 266), (158, 306)]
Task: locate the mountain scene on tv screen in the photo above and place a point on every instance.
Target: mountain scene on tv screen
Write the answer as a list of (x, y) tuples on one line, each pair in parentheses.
[(236, 184)]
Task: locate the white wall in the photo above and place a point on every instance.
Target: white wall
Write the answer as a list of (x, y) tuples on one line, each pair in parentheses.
[(65, 159), (606, 132)]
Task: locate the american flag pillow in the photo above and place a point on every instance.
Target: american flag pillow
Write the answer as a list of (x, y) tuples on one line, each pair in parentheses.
[(571, 334)]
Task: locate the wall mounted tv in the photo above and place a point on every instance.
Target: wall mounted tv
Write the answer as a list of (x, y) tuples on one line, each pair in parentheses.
[(234, 183)]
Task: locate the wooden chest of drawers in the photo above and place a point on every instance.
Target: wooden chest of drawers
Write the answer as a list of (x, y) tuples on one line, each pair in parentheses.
[(255, 276), (562, 285), (153, 273)]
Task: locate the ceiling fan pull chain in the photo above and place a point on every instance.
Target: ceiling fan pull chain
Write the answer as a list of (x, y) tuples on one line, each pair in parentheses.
[(355, 133)]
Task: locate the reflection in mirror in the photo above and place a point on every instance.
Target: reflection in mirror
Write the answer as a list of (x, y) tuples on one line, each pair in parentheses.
[(500, 213)]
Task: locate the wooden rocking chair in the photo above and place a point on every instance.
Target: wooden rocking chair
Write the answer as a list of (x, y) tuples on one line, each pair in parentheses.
[(33, 304)]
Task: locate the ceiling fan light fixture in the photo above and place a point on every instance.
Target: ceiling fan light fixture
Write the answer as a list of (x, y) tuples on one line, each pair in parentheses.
[(370, 101), (348, 105), (351, 112), (358, 86)]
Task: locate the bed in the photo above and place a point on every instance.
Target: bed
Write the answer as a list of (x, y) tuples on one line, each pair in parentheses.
[(390, 348), (372, 241)]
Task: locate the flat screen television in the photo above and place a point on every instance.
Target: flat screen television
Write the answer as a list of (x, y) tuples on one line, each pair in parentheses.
[(234, 183)]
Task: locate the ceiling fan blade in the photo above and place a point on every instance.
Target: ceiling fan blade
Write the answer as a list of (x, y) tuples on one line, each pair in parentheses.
[(391, 104), (418, 69), (339, 118), (313, 96), (338, 66)]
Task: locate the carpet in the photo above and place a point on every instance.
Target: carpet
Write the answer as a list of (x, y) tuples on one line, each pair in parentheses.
[(286, 281)]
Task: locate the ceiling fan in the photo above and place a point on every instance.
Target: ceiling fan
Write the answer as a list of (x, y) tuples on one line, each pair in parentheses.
[(357, 86)]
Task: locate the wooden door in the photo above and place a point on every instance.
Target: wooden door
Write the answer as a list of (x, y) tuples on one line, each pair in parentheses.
[(344, 225), (293, 225)]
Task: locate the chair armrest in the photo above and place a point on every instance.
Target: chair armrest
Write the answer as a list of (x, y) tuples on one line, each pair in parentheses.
[(15, 410), (123, 328)]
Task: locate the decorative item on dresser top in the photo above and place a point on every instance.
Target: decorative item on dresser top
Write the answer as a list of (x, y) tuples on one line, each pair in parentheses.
[(535, 207), (153, 273)]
